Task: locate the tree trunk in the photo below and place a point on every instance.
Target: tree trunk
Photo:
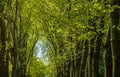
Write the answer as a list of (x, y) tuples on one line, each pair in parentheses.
[(90, 56), (2, 43), (108, 57), (96, 56), (86, 69), (7, 65), (115, 37), (78, 57), (84, 59)]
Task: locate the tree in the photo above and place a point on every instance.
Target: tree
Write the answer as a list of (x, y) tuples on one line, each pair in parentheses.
[(115, 17)]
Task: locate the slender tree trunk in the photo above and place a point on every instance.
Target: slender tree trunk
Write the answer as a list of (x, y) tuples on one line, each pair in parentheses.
[(90, 57), (84, 59), (78, 58), (7, 65), (96, 56), (86, 69), (115, 37), (108, 57), (2, 43)]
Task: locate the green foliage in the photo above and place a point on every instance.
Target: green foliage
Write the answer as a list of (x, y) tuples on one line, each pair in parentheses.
[(61, 27), (37, 68)]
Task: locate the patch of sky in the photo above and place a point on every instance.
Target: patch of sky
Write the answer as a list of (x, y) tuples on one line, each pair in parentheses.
[(41, 52)]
